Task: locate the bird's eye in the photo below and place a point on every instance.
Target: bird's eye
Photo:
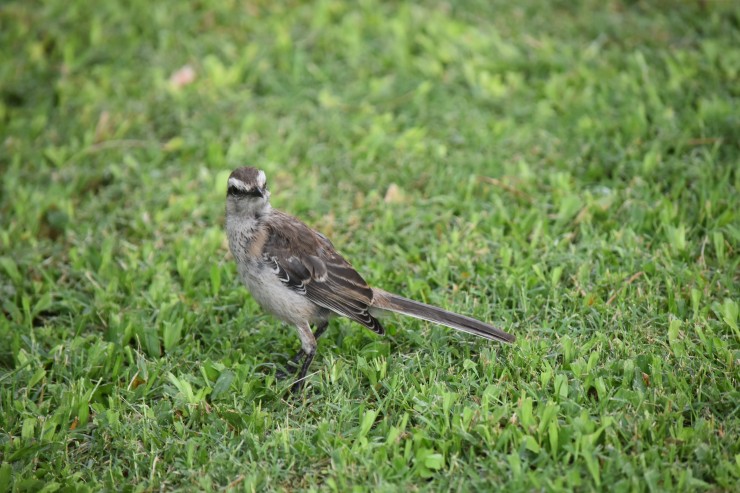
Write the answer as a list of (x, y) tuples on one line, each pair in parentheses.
[(235, 191)]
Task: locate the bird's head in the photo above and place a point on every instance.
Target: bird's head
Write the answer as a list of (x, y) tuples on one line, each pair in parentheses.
[(246, 192)]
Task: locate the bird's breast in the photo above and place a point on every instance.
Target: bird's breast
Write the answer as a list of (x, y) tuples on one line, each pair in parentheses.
[(275, 297)]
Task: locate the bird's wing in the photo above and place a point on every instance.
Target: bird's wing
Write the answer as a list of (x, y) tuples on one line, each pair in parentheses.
[(307, 262)]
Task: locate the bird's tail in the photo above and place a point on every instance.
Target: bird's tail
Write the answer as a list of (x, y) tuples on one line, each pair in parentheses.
[(394, 303)]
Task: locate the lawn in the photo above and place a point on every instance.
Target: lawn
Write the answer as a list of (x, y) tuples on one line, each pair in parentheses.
[(565, 170)]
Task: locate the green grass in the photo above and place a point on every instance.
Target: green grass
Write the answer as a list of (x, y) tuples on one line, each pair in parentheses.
[(567, 170)]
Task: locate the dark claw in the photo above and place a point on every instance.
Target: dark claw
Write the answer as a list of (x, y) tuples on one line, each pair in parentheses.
[(291, 367), (281, 375)]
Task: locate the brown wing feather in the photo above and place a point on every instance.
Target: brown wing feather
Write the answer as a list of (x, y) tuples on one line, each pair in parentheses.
[(307, 262)]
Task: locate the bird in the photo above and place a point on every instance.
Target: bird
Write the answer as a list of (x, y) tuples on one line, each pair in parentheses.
[(297, 275)]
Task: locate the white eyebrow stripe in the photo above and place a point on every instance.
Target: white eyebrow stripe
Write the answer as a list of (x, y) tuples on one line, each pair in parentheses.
[(261, 178), (234, 182)]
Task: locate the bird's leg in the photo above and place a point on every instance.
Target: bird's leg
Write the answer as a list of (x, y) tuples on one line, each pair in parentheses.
[(301, 354), (298, 385), (320, 329)]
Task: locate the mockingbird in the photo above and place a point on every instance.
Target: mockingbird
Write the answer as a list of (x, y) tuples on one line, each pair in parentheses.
[(296, 274)]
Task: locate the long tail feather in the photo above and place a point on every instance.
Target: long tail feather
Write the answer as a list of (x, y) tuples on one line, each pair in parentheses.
[(394, 303)]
